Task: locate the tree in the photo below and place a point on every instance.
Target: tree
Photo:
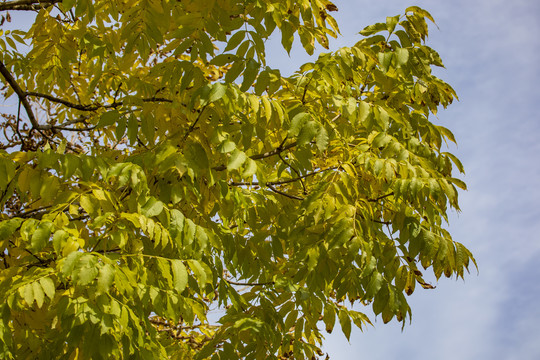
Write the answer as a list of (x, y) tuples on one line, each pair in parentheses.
[(166, 194)]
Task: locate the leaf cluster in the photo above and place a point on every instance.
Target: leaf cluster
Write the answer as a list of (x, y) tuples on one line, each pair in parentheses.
[(166, 194)]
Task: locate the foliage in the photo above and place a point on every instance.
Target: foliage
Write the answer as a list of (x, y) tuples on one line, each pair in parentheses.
[(166, 194)]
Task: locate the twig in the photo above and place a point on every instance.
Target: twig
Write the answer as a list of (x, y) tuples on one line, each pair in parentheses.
[(256, 183), (192, 127), (284, 193), (276, 151), (381, 197), (249, 284), (296, 171), (23, 144)]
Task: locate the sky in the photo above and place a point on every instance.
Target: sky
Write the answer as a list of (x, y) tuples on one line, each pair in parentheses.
[(491, 49)]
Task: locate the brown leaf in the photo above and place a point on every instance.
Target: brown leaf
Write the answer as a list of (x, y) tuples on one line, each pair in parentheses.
[(331, 7)]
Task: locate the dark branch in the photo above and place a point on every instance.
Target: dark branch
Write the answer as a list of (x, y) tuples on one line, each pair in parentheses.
[(192, 127), (276, 151), (381, 197), (26, 4), (20, 93), (89, 107), (250, 284), (296, 171), (284, 193), (282, 182)]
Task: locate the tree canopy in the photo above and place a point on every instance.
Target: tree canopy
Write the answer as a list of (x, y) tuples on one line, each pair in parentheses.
[(165, 193)]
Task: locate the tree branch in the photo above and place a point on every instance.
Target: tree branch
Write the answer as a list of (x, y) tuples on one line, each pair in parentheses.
[(26, 4), (284, 193), (249, 284), (89, 107), (276, 151), (381, 197), (256, 183), (192, 127), (20, 93)]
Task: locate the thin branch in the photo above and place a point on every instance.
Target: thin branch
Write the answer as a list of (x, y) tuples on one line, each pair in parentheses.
[(296, 171), (89, 107), (381, 197), (276, 151), (20, 93), (26, 4), (249, 284), (305, 90), (284, 193), (17, 127), (282, 182), (192, 127)]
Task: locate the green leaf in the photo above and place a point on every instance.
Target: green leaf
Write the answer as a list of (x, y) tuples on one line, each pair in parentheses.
[(298, 122), (180, 275), (373, 29), (85, 271), (456, 161), (28, 294), (41, 235), (287, 36), (249, 169), (329, 318), (48, 287), (39, 295), (196, 156), (420, 12), (217, 92), (363, 111), (322, 139), (345, 322), (108, 118), (236, 160), (88, 204), (459, 183), (226, 146), (70, 261), (402, 56), (391, 23), (153, 207), (8, 227), (105, 278), (198, 270), (308, 131), (235, 40), (252, 69)]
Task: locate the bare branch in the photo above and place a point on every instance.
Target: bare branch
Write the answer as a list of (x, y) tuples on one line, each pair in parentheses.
[(27, 4), (20, 93)]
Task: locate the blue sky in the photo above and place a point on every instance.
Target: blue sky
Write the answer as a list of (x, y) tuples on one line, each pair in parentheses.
[(491, 49)]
